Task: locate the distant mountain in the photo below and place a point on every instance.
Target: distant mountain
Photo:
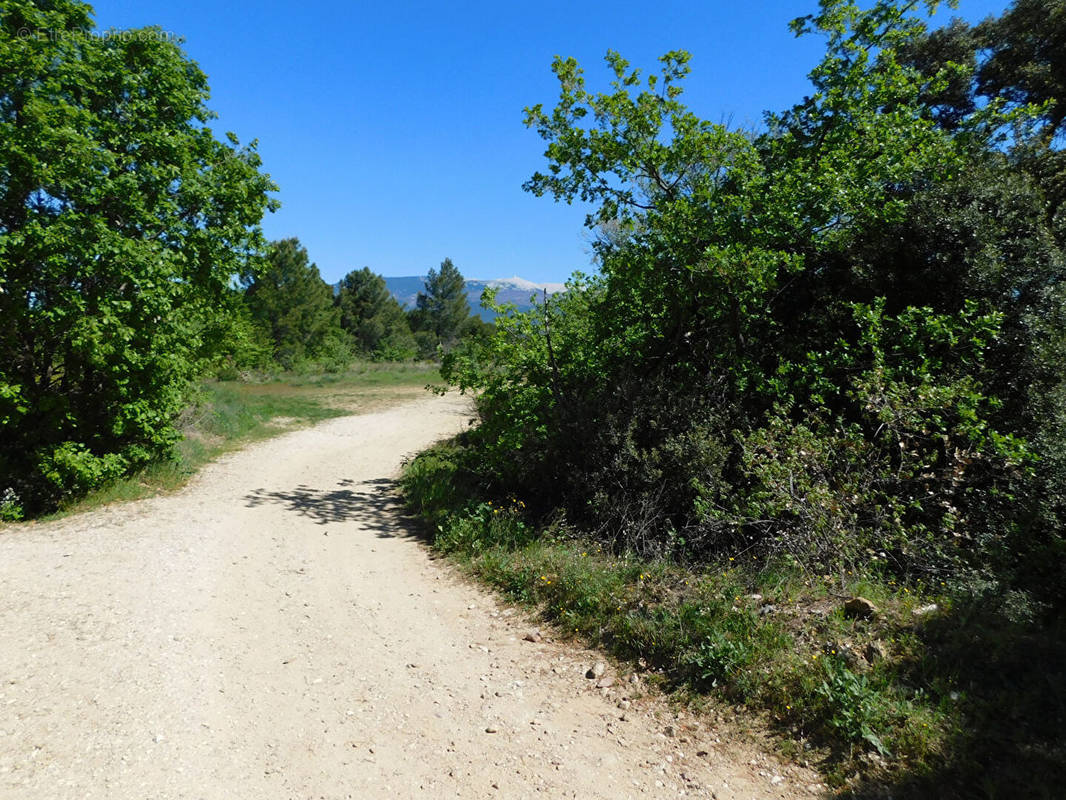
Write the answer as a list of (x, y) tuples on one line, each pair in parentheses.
[(406, 290), (508, 290)]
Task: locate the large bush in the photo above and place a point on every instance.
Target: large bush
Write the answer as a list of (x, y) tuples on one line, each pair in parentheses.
[(840, 338), (122, 221)]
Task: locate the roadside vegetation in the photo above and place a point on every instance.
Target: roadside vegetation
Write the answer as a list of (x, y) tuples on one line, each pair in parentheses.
[(226, 415), (925, 689), (799, 443), (133, 266)]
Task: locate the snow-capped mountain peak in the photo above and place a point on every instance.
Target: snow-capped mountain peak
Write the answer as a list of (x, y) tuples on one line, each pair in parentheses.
[(515, 291), (522, 284)]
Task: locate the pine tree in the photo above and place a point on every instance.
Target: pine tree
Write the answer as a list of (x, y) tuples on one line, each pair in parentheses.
[(443, 307), (289, 299), (373, 318)]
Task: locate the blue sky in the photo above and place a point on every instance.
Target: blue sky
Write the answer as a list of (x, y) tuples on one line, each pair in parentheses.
[(394, 130)]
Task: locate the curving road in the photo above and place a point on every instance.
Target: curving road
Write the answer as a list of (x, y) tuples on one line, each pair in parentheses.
[(276, 630)]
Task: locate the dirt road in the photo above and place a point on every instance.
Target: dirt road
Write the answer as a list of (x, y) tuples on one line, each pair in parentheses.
[(275, 630)]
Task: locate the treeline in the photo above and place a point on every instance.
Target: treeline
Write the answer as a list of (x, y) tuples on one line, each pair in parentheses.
[(840, 342), (132, 263), (284, 315)]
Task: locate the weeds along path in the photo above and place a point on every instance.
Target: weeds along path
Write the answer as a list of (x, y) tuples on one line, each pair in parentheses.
[(276, 630)]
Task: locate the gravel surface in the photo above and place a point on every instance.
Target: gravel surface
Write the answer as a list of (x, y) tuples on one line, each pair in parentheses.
[(277, 630)]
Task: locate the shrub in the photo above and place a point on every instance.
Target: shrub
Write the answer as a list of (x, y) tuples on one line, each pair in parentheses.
[(853, 708), (122, 223)]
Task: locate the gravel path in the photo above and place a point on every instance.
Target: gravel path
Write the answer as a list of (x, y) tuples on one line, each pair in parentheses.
[(276, 630)]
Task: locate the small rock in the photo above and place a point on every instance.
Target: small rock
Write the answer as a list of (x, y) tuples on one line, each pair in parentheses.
[(490, 729), (768, 608), (624, 705), (848, 656), (605, 682), (533, 636), (874, 652), (921, 611), (596, 671), (860, 608), (669, 731), (777, 780)]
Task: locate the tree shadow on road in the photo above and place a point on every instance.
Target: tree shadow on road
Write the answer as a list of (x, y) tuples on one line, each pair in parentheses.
[(374, 504)]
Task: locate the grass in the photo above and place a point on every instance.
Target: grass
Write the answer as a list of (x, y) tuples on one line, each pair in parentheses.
[(226, 415), (967, 700)]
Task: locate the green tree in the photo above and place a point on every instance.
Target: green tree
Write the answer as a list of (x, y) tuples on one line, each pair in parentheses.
[(1017, 60), (122, 222), (233, 342), (1025, 59), (740, 331), (442, 308), (373, 317), (288, 298)]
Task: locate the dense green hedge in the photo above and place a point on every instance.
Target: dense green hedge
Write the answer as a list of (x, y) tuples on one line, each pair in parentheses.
[(841, 339)]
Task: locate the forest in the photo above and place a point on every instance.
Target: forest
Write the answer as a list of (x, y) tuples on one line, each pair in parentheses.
[(823, 359)]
